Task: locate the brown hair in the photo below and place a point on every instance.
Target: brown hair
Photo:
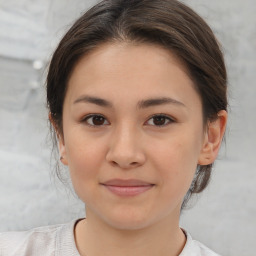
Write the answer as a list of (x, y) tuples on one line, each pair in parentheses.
[(169, 24)]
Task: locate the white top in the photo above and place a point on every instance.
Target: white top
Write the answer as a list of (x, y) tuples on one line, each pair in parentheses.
[(58, 240)]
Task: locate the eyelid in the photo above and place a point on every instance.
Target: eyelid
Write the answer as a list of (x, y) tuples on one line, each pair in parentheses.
[(85, 118), (168, 117), (171, 119)]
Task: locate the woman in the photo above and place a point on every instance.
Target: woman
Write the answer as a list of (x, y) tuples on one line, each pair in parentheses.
[(136, 92)]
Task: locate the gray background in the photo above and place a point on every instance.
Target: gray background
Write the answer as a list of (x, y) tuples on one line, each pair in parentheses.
[(224, 216)]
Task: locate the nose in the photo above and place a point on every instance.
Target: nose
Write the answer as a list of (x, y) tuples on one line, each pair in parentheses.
[(125, 149)]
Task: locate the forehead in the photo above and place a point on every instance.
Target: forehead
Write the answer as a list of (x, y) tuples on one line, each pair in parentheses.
[(144, 55), (130, 69)]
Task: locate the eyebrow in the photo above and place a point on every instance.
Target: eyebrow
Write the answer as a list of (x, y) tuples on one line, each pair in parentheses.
[(94, 100), (158, 101), (141, 104)]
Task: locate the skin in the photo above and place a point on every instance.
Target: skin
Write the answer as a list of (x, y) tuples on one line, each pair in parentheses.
[(127, 143)]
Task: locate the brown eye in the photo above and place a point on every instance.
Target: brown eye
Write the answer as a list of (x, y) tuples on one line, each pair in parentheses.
[(96, 120), (160, 120)]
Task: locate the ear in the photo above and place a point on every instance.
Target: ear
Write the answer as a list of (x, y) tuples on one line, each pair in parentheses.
[(213, 138), (61, 144), (62, 150)]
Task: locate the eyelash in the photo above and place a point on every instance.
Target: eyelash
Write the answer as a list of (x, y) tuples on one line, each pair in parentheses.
[(86, 118), (166, 117)]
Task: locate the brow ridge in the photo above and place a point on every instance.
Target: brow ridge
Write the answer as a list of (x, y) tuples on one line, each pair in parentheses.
[(141, 104), (158, 101), (95, 100)]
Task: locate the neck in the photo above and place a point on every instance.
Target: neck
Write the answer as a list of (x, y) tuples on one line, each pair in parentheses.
[(94, 238)]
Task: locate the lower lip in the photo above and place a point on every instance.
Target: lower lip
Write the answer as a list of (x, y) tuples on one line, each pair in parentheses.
[(128, 191)]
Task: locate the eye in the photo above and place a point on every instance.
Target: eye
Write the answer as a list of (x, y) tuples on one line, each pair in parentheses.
[(160, 120), (95, 120)]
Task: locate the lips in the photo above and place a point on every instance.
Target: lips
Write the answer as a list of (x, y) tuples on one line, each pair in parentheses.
[(130, 187), (126, 183)]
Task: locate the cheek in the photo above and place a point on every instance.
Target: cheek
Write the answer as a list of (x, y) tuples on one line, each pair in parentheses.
[(177, 154), (84, 159), (176, 163)]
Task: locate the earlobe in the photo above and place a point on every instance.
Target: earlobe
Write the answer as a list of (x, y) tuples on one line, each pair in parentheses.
[(62, 150), (61, 144), (213, 139)]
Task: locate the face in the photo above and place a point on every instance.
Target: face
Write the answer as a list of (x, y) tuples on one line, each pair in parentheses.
[(133, 134)]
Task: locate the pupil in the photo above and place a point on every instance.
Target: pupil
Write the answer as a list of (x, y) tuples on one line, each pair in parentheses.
[(160, 120), (98, 120)]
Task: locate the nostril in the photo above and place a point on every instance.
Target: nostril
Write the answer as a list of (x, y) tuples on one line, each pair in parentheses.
[(114, 163), (125, 166), (125, 159)]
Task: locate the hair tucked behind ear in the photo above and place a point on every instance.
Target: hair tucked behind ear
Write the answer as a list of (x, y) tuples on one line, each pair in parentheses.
[(199, 183), (169, 24)]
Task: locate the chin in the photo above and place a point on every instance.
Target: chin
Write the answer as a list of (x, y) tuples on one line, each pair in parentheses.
[(129, 220)]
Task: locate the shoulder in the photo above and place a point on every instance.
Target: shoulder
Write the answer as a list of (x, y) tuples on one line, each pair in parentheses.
[(195, 248), (47, 240)]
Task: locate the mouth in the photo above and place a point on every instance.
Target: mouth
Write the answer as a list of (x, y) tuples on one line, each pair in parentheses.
[(127, 188)]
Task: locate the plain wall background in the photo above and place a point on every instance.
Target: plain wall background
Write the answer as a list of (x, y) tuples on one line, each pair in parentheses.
[(224, 216)]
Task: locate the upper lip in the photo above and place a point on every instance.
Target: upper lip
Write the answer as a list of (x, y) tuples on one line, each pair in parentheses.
[(126, 183)]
